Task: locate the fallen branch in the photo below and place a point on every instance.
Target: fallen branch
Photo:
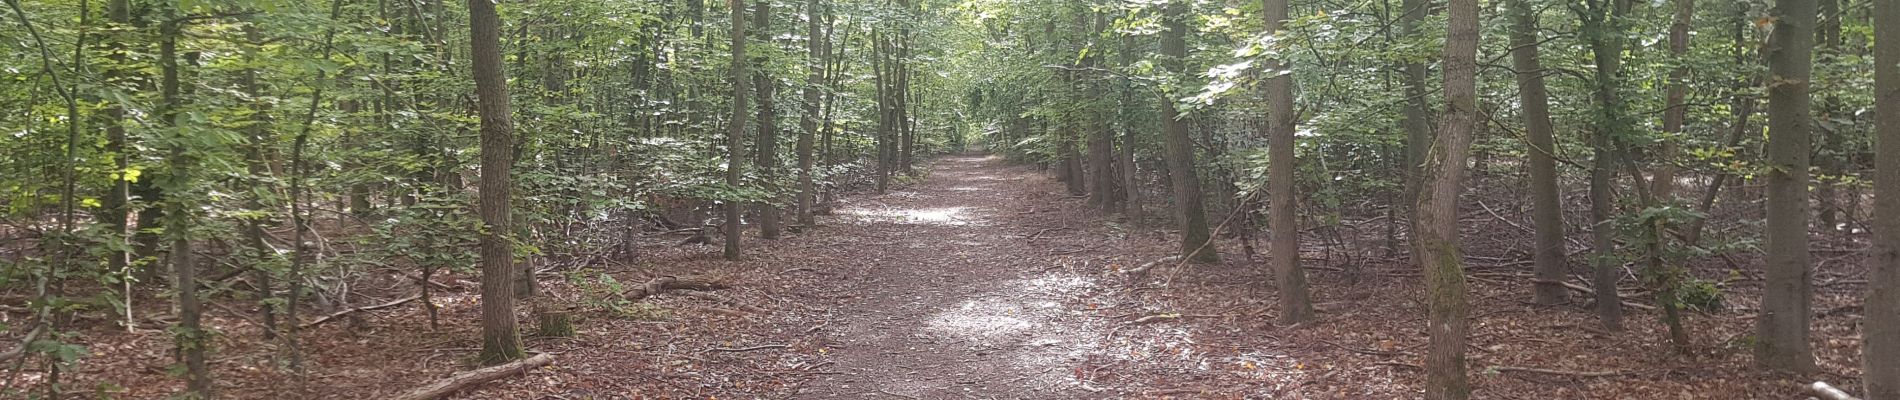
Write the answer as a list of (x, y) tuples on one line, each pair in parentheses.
[(723, 299), (1829, 392), (25, 342), (1592, 292), (464, 380), (665, 283), (1586, 374), (339, 314), (1143, 268), (1154, 318), (744, 349), (799, 269)]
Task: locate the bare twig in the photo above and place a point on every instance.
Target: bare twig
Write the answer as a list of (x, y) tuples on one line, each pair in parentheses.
[(744, 349), (338, 314), (1585, 374)]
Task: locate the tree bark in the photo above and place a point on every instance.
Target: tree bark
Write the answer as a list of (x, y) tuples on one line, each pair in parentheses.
[(1196, 243), (1602, 28), (766, 148), (1674, 111), (1417, 115), (1435, 225), (1782, 328), (501, 338), (1131, 176), (814, 78), (1880, 353), (192, 340), (735, 130), (1546, 203), (1283, 223)]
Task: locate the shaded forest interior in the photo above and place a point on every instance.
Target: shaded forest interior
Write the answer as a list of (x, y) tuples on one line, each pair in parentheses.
[(1444, 199)]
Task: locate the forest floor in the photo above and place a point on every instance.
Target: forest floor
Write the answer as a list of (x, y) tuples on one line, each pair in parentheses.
[(984, 281)]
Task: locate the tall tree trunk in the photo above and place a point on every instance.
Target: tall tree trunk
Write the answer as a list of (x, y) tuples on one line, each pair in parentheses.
[(116, 206), (1744, 106), (1674, 111), (814, 78), (501, 337), (1131, 176), (1435, 224), (1602, 28), (1417, 115), (257, 133), (1830, 156), (1880, 353), (767, 146), (192, 339), (1283, 223), (1782, 328), (1546, 202), (1101, 135), (880, 76), (1196, 243), (735, 130)]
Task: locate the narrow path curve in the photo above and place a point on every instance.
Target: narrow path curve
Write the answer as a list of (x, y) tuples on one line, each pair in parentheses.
[(946, 293)]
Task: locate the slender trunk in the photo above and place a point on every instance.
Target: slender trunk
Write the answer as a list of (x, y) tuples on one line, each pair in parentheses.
[(1782, 328), (735, 130), (1602, 22), (1131, 176), (1881, 351), (1674, 111), (1435, 225), (254, 161), (766, 147), (1417, 115), (501, 337), (1283, 223), (880, 76), (116, 206), (1744, 106), (808, 129), (1196, 244), (1829, 157), (192, 339), (1546, 203)]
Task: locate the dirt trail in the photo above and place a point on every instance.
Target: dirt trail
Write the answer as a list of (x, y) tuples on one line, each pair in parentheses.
[(948, 294)]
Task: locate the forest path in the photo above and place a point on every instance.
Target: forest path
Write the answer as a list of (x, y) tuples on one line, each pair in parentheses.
[(948, 293)]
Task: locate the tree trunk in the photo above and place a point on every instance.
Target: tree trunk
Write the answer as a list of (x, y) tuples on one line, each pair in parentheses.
[(1283, 223), (1830, 156), (192, 339), (1880, 353), (1131, 176), (257, 133), (814, 77), (501, 338), (735, 130), (1435, 225), (116, 206), (1674, 111), (880, 77), (1417, 115), (1782, 328), (766, 147), (1546, 203), (1196, 244), (1602, 28)]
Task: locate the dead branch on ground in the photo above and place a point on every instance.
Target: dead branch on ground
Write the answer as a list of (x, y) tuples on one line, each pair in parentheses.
[(1584, 374), (338, 314), (464, 380)]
